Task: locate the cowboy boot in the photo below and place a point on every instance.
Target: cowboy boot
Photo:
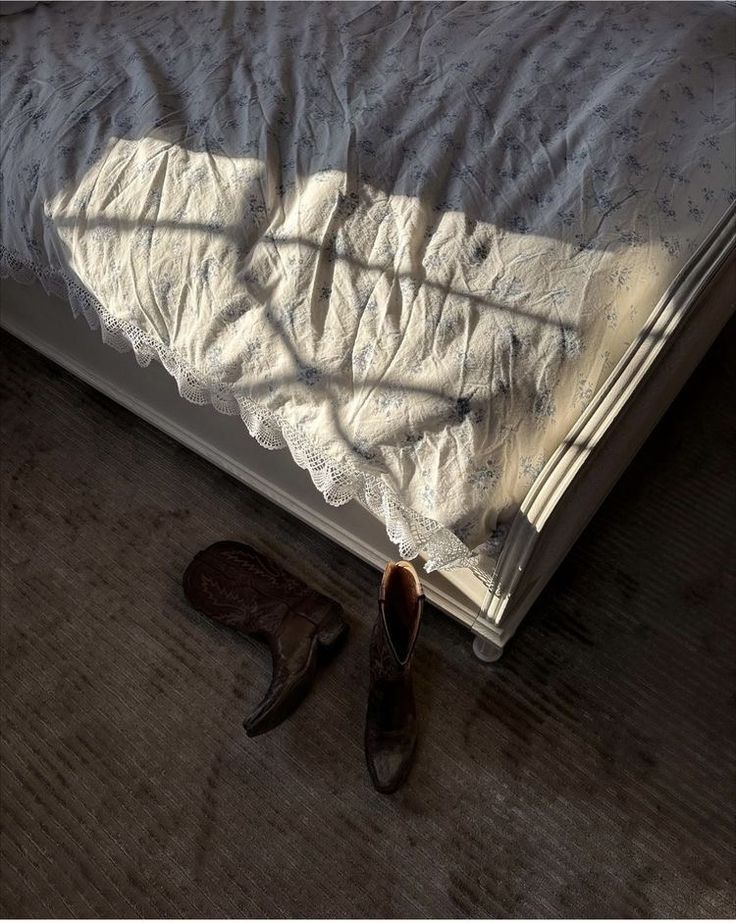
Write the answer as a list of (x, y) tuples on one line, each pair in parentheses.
[(391, 721), (233, 584)]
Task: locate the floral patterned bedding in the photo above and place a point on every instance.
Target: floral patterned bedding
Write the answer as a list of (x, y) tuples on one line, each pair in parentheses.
[(408, 241)]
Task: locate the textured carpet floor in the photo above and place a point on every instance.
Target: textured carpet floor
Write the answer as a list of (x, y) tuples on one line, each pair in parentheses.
[(589, 773)]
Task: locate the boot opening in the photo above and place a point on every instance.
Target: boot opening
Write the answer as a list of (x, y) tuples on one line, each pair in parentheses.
[(400, 591)]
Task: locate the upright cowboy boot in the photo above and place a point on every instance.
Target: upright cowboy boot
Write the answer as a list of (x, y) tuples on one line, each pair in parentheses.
[(231, 583), (391, 721)]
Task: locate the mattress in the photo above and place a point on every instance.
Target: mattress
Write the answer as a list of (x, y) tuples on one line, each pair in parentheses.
[(407, 241)]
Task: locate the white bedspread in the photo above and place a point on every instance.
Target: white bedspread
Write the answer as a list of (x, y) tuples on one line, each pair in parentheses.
[(408, 240)]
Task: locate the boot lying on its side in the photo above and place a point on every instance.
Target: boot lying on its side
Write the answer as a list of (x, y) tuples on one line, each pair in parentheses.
[(233, 584)]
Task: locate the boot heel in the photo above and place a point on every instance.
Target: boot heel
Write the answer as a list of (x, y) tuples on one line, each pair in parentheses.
[(332, 630)]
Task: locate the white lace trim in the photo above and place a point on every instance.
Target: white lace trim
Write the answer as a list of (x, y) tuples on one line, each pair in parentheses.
[(339, 483)]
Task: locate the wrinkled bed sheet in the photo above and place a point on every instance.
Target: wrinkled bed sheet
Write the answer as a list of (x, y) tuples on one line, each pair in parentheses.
[(409, 241)]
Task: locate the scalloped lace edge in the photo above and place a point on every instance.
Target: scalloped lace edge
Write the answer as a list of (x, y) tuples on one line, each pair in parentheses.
[(413, 533)]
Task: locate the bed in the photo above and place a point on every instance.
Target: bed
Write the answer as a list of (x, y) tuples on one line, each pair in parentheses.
[(454, 258)]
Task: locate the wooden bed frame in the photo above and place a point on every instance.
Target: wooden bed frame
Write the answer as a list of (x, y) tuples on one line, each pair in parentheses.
[(559, 504)]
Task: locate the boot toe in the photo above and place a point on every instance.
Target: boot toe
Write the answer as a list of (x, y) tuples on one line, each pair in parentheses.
[(286, 692), (389, 762)]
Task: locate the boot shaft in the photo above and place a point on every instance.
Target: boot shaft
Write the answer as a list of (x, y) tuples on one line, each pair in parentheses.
[(400, 607), (233, 584)]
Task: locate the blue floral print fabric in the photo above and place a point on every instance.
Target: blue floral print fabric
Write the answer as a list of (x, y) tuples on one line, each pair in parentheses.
[(409, 241)]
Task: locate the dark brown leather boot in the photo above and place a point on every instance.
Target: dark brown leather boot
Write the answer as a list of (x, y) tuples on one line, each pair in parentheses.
[(231, 583), (391, 721)]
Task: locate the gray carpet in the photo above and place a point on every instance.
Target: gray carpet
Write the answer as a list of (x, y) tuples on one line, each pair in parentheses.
[(589, 773)]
